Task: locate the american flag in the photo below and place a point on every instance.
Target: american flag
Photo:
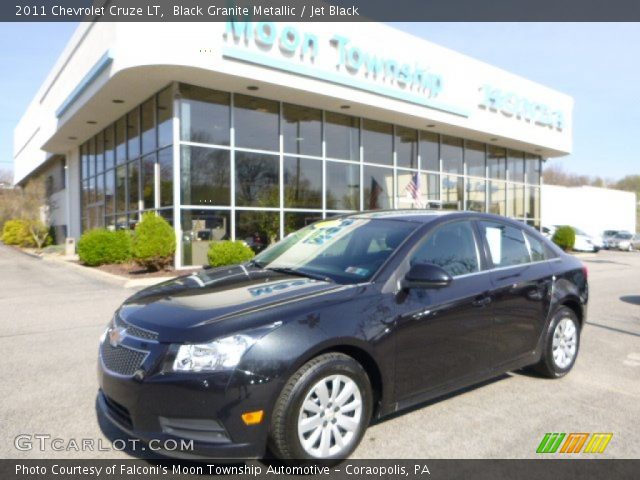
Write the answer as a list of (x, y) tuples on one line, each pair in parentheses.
[(413, 190)]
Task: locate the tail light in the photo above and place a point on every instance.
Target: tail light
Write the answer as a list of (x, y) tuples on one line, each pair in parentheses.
[(585, 270)]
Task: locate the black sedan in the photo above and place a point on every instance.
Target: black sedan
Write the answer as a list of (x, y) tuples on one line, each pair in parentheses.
[(349, 319)]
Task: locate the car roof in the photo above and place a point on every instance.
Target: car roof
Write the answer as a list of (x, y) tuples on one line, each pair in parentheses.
[(424, 216)]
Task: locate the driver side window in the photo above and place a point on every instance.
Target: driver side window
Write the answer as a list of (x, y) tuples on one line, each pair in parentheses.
[(451, 247)]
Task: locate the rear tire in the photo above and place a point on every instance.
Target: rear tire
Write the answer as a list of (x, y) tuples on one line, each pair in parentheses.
[(323, 410), (561, 344)]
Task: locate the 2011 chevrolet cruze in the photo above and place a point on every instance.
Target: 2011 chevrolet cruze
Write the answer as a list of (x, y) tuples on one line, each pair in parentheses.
[(348, 319)]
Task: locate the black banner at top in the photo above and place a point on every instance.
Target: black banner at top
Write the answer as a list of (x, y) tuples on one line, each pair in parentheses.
[(319, 10)]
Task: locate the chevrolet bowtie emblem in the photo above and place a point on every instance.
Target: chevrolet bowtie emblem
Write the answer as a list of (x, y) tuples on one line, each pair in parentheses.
[(116, 336)]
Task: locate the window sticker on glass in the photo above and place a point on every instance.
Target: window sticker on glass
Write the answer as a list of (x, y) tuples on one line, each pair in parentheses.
[(361, 272), (494, 239)]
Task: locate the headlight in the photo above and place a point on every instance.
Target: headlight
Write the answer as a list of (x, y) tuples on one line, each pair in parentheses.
[(222, 354)]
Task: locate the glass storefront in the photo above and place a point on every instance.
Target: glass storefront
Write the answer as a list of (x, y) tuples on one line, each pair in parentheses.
[(257, 169)]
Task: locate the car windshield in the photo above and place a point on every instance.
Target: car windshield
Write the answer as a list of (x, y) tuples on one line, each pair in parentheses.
[(624, 236), (345, 250), (610, 233)]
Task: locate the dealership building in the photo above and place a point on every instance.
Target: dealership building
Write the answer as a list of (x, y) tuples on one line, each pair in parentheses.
[(250, 130)]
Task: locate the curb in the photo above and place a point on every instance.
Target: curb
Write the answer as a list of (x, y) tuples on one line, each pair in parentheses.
[(109, 277)]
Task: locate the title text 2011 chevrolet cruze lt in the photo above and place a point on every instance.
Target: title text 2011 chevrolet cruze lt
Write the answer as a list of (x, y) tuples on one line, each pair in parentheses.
[(348, 319)]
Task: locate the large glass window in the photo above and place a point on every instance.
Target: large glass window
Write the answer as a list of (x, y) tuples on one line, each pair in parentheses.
[(121, 140), (109, 145), (199, 229), (451, 153), (134, 189), (429, 151), (256, 122), (476, 194), (516, 201), (427, 194), (498, 197), (532, 167), (121, 182), (164, 106), (532, 204), (474, 157), (165, 164), (148, 119), (257, 180), (109, 192), (148, 181), (342, 136), (294, 221), (452, 192), (406, 145), (515, 166), (451, 247), (206, 178), (302, 183), (302, 130), (378, 188), (133, 134), (204, 115), (506, 244), (91, 157), (100, 152), (377, 142), (343, 186), (257, 228), (497, 162)]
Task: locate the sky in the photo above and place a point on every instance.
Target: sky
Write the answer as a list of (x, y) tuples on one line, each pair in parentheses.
[(596, 63)]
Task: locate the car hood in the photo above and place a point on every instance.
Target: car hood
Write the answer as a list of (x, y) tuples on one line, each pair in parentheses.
[(177, 307)]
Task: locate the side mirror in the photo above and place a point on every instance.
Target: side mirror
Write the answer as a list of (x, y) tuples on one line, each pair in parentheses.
[(426, 275)]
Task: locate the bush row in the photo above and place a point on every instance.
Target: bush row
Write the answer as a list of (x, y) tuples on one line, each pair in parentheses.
[(151, 245), (26, 233)]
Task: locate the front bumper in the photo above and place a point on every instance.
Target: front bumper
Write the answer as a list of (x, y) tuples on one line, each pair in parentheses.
[(202, 409)]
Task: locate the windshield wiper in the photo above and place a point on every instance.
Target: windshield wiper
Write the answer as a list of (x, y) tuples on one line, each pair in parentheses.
[(256, 263), (300, 273)]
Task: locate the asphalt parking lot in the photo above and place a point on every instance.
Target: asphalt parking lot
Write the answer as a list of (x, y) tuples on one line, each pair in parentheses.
[(51, 316)]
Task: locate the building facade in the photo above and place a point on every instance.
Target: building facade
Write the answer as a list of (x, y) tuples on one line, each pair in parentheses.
[(252, 130)]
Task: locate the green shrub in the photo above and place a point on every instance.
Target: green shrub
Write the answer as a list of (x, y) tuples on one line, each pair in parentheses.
[(101, 246), (565, 237), (154, 242), (227, 252), (16, 232)]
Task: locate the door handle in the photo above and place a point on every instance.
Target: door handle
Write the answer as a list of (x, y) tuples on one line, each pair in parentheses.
[(482, 301)]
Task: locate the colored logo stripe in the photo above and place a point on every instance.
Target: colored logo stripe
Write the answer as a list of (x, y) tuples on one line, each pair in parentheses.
[(574, 443), (598, 442), (550, 443)]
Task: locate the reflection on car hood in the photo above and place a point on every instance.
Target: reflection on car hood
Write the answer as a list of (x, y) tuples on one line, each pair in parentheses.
[(211, 296)]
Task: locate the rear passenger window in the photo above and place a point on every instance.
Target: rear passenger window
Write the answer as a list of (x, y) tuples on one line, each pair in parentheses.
[(537, 248), (506, 244), (452, 247)]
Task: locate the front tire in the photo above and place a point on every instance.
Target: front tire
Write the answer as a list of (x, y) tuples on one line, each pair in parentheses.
[(323, 410), (561, 344)]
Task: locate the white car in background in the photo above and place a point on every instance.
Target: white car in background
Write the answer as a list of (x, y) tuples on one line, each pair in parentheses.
[(625, 241), (584, 242)]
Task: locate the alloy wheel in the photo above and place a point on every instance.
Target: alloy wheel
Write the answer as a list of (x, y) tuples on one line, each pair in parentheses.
[(330, 416), (565, 340)]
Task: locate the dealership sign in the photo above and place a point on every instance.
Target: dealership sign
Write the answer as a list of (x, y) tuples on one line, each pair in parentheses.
[(519, 107), (286, 48)]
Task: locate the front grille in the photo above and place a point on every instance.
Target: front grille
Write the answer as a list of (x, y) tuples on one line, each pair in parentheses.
[(121, 360), (134, 331), (118, 412)]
